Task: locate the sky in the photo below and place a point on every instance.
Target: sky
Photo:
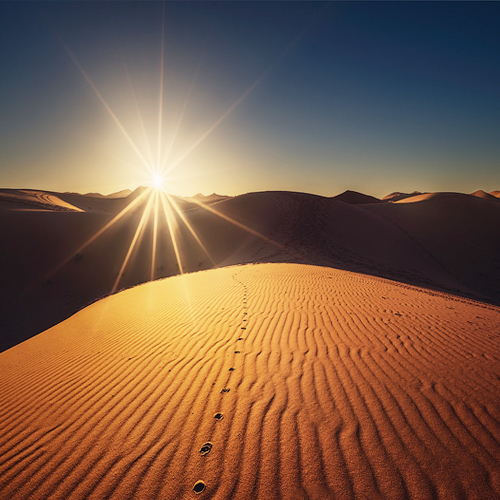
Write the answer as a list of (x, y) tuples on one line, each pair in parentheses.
[(233, 97)]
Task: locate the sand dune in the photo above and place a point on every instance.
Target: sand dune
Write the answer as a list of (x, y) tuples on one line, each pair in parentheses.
[(28, 199), (356, 198), (485, 196), (325, 384), (457, 232), (444, 241)]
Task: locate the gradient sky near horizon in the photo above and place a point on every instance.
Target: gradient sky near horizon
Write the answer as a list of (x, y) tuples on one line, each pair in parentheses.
[(303, 96)]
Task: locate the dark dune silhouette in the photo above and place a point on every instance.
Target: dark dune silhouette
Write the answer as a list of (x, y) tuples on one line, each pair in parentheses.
[(356, 198)]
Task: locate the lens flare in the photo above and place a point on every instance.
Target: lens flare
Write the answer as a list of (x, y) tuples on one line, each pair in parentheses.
[(160, 211)]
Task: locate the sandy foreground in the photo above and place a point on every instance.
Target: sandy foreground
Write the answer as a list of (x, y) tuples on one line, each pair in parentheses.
[(325, 384)]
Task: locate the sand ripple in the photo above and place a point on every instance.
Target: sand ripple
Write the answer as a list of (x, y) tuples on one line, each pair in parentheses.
[(262, 381)]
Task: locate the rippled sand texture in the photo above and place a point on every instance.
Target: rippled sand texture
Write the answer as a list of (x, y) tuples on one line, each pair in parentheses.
[(271, 381)]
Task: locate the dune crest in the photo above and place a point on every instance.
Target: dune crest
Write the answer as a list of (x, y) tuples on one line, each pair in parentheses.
[(356, 198), (331, 384)]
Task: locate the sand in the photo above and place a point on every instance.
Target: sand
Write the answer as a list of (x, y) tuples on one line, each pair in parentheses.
[(53, 264), (331, 384)]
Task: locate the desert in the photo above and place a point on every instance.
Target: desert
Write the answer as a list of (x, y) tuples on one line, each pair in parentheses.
[(249, 250), (329, 350)]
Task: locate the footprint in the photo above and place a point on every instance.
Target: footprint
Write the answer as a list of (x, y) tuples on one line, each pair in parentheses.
[(206, 449), (199, 487), (218, 416), (224, 390)]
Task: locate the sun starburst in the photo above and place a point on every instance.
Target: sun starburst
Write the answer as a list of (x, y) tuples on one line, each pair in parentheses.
[(157, 182), (159, 208)]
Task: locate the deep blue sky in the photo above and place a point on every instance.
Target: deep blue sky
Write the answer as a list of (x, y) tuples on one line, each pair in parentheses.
[(370, 96)]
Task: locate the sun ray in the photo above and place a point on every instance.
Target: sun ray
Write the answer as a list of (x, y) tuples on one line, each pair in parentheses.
[(106, 105), (174, 135), (170, 224), (82, 247), (190, 228), (160, 103), (215, 124), (155, 232), (212, 210), (139, 114), (138, 232), (271, 66), (178, 124)]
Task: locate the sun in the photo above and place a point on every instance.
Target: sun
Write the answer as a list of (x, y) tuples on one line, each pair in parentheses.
[(157, 182)]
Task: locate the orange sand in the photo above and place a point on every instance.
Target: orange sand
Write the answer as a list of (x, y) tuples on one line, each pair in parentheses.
[(344, 386)]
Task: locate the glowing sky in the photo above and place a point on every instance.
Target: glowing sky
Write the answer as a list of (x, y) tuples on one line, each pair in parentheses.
[(303, 96)]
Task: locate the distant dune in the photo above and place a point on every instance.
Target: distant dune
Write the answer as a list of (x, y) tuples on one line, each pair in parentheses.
[(443, 241), (485, 196), (271, 381), (355, 198), (400, 196), (120, 194), (32, 200)]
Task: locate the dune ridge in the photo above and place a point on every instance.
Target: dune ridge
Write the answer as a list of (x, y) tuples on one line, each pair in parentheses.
[(331, 384)]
